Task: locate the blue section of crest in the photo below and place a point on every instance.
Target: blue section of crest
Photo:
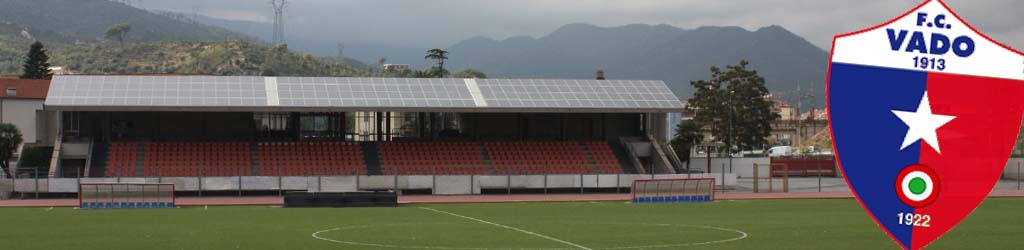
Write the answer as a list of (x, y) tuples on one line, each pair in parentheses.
[(868, 135)]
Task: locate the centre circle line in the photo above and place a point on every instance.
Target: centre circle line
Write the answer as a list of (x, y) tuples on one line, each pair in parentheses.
[(509, 228), (317, 235)]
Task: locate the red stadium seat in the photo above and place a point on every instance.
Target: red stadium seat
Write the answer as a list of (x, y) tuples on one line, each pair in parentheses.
[(309, 158), (552, 157), (181, 159), (426, 158)]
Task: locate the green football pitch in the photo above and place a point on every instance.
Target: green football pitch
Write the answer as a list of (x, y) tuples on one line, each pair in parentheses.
[(740, 224)]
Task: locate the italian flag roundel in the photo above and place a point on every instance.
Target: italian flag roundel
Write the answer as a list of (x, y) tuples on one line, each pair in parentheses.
[(924, 112), (917, 185)]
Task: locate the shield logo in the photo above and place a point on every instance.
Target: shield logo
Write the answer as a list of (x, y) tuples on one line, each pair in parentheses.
[(924, 112)]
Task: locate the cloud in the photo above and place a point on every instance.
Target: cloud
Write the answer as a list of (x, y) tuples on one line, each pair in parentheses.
[(445, 22)]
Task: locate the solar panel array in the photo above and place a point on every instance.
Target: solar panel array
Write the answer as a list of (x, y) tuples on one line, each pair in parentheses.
[(610, 94), (170, 91), (373, 92), (354, 93)]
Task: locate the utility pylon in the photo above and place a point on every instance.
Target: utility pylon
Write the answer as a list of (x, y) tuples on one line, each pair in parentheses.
[(278, 5)]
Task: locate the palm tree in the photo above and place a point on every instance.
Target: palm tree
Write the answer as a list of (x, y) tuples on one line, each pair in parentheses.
[(439, 55)]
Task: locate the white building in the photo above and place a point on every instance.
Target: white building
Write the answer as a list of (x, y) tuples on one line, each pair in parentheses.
[(21, 104), (61, 70), (395, 67)]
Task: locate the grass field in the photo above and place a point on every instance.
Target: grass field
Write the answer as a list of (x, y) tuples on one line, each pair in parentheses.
[(742, 224)]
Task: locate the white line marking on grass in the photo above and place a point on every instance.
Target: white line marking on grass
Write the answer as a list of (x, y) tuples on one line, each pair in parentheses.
[(742, 235), (509, 228), (316, 235), (48, 209)]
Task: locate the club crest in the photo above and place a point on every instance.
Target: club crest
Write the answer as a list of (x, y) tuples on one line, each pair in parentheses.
[(924, 112)]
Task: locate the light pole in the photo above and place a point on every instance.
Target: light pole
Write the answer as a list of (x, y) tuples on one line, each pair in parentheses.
[(732, 114)]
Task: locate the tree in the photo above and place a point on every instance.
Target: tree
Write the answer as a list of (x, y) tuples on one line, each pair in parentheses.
[(118, 32), (35, 159), (423, 74), (469, 73), (10, 139), (688, 135), (37, 63), (734, 105), (437, 72), (439, 55)]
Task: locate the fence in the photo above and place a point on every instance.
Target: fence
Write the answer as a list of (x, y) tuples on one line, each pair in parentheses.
[(26, 181), (738, 179), (435, 184)]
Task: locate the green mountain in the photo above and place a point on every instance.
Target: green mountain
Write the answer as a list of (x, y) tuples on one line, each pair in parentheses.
[(203, 58), (659, 52), (158, 43), (88, 20), (206, 58), (15, 40)]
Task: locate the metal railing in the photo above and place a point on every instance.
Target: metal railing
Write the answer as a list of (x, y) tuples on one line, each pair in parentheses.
[(674, 158), (55, 156), (27, 182), (659, 156)]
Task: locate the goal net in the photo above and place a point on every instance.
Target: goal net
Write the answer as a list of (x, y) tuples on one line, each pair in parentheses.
[(673, 190), (126, 195)]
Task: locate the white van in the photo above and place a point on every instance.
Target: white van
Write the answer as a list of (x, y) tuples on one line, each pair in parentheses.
[(778, 151)]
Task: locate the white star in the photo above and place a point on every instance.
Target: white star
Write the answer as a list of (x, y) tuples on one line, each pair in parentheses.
[(922, 124)]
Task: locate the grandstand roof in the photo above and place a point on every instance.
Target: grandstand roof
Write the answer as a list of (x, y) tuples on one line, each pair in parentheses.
[(337, 94)]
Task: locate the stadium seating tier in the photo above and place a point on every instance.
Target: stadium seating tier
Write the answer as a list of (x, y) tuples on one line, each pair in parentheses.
[(167, 159)]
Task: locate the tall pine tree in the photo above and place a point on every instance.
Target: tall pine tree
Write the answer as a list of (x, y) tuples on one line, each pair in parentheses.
[(734, 106), (37, 63)]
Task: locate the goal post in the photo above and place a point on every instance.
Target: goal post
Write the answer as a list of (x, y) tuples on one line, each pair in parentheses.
[(673, 190), (125, 195)]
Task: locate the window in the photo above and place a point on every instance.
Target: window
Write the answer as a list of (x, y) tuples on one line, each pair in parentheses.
[(12, 92), (272, 125), (322, 126)]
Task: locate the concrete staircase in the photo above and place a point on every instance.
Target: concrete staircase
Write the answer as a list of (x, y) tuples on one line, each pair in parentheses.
[(100, 157), (372, 158)]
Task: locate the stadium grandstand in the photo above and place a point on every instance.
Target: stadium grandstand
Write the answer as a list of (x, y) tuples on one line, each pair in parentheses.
[(236, 132)]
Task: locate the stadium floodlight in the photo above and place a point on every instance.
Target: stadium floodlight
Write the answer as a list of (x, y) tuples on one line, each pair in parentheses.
[(126, 195), (673, 190)]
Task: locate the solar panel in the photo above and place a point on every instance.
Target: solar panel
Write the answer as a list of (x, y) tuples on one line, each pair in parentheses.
[(149, 92), (554, 93), (177, 91), (373, 92)]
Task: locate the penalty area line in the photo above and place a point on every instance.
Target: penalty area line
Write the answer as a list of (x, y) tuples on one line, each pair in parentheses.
[(509, 228)]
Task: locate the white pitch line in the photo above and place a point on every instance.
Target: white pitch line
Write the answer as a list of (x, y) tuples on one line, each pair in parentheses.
[(509, 228), (48, 209)]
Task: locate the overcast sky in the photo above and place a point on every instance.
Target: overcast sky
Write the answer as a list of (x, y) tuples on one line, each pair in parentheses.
[(441, 23)]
